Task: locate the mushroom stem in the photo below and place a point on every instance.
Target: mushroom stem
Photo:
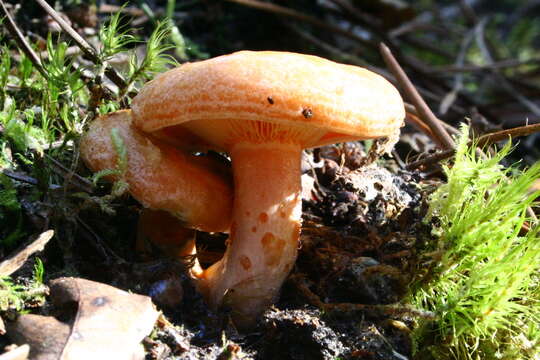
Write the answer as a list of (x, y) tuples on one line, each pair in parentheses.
[(264, 233)]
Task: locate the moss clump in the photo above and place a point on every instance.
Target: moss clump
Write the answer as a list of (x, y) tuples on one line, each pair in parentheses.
[(481, 274)]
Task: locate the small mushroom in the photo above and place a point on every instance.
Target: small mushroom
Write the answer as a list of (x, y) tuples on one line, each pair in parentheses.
[(195, 189), (224, 103)]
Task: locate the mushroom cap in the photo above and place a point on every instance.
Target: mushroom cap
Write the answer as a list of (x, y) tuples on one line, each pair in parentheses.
[(195, 189), (284, 96)]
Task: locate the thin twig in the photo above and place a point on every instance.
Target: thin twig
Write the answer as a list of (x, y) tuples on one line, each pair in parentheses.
[(508, 133), (70, 177), (284, 11), (483, 141), (21, 41), (368, 21), (424, 22), (26, 179), (419, 124), (86, 48), (98, 243), (409, 108), (443, 139), (109, 8)]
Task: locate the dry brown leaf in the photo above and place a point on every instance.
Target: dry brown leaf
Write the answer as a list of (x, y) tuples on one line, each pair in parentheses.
[(17, 353), (98, 322)]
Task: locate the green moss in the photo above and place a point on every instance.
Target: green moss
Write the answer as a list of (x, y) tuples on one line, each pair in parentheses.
[(480, 276), (42, 117), (20, 296)]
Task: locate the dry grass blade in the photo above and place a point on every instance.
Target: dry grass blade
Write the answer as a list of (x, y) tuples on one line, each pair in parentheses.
[(419, 124), (509, 133), (21, 41)]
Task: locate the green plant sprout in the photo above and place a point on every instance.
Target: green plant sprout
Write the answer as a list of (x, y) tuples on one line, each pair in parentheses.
[(19, 296), (115, 39), (10, 295), (39, 271), (481, 274), (155, 58), (120, 186)]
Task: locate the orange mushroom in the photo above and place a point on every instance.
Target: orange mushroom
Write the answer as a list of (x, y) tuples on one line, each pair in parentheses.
[(195, 190), (262, 108)]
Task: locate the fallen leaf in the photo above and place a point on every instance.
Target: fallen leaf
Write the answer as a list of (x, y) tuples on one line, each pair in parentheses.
[(98, 322), (17, 353)]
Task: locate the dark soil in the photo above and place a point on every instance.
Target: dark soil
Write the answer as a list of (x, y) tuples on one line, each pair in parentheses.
[(341, 301)]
